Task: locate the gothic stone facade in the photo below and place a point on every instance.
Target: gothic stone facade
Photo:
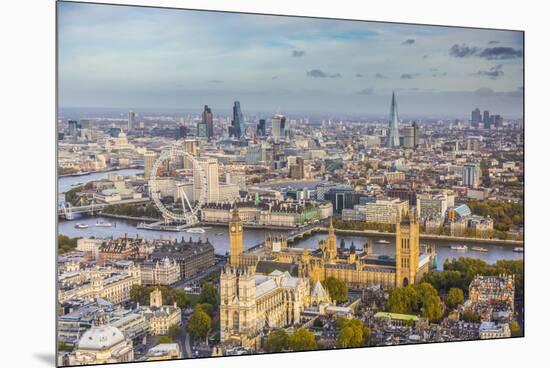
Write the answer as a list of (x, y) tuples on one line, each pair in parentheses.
[(361, 270), (251, 302)]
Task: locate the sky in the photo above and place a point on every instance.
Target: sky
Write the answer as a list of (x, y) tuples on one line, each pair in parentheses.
[(133, 57)]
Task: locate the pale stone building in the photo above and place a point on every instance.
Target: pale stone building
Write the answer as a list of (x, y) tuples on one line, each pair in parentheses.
[(359, 269), (161, 317), (111, 284), (160, 272), (251, 302), (101, 344)]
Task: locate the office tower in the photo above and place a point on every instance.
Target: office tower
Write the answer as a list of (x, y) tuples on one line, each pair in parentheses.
[(296, 171), (85, 124), (393, 136), (278, 127), (114, 132), (189, 146), (471, 174), (131, 120), (342, 197), (201, 130), (237, 129), (486, 119), (496, 121), (260, 129), (408, 136), (148, 162), (73, 128), (182, 132), (416, 126), (476, 117), (208, 121), (210, 179)]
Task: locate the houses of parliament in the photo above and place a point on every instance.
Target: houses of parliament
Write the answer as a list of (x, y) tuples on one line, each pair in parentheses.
[(269, 287)]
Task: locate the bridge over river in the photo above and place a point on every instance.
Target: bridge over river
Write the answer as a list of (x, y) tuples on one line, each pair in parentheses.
[(67, 211)]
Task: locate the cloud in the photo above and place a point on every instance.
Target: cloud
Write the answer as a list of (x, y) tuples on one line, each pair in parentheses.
[(489, 92), (316, 73), (500, 53), (493, 42), (359, 75), (409, 75), (380, 76), (493, 73), (462, 51), (298, 53), (366, 91), (489, 53), (274, 77), (215, 81), (408, 42), (436, 73)]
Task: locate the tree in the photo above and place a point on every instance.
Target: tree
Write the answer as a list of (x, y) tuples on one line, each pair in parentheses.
[(459, 273), (454, 298), (337, 289), (515, 329), (277, 341), (199, 324), (175, 332), (416, 299), (345, 337), (138, 294), (62, 346), (470, 316), (351, 333), (66, 244), (165, 340), (301, 340), (206, 308), (366, 335), (209, 294), (181, 298)]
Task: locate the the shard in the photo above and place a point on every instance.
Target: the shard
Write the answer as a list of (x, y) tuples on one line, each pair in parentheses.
[(393, 134)]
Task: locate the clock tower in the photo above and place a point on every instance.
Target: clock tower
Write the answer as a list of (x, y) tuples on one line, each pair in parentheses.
[(235, 239)]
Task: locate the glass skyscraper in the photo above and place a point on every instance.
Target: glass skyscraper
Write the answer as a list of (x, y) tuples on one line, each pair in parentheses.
[(237, 124), (393, 135)]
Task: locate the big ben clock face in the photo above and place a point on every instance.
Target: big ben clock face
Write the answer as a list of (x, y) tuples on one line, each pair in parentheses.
[(233, 228), (240, 228)]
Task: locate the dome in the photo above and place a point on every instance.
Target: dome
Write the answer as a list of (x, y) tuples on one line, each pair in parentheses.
[(100, 337), (121, 135)]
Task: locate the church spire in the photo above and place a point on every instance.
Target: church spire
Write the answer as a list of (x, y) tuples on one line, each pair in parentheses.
[(331, 241)]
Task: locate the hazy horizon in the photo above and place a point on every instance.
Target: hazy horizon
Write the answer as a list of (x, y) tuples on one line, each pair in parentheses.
[(153, 59)]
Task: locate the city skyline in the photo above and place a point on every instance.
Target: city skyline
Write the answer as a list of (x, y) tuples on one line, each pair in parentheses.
[(116, 56)]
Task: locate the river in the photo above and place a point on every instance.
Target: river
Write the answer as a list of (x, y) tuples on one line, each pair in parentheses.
[(68, 182), (218, 235)]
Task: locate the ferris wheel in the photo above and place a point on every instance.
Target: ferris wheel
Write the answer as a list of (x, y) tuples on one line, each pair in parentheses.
[(189, 209)]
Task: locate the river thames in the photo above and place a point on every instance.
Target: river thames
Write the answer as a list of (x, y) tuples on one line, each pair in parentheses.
[(218, 235)]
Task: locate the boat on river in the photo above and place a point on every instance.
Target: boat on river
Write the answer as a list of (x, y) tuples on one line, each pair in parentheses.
[(81, 226), (460, 248), (196, 230), (382, 241), (103, 224), (480, 249), (518, 249)]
